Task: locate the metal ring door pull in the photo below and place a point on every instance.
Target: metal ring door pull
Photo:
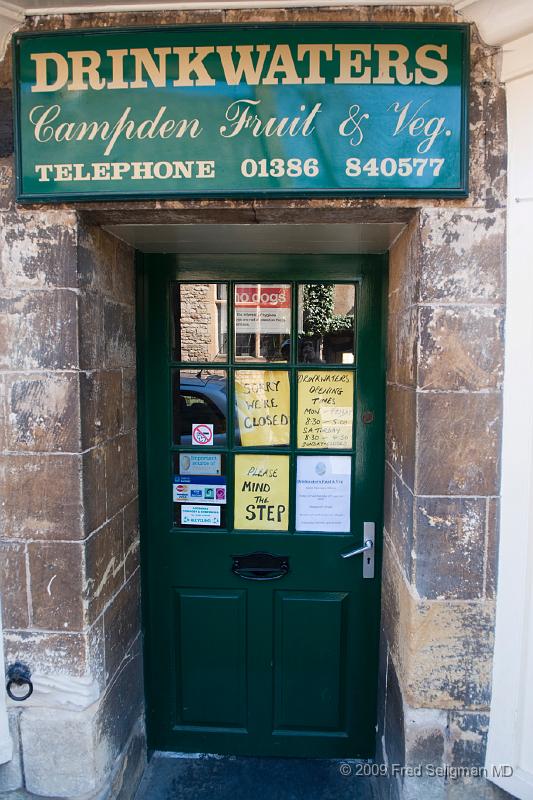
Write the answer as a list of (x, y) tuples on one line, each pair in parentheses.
[(260, 566), (19, 675)]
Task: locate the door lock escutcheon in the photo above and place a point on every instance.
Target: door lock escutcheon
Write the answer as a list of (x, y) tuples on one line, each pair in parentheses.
[(367, 550)]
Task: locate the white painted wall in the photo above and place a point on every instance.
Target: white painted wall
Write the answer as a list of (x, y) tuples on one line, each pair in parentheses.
[(511, 725)]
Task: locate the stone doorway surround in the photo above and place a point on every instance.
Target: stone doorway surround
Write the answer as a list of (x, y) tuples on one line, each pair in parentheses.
[(68, 464)]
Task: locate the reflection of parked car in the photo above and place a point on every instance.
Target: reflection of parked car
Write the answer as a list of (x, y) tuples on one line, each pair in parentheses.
[(200, 397)]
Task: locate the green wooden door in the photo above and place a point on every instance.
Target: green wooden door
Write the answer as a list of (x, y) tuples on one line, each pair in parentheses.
[(261, 439)]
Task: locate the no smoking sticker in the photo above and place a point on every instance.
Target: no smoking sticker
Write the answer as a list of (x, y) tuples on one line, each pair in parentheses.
[(202, 433)]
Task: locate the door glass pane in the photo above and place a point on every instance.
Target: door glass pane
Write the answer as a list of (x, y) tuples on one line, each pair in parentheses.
[(200, 322), (262, 321), (326, 323), (200, 405), (199, 490), (325, 408), (262, 407), (261, 492), (323, 487)]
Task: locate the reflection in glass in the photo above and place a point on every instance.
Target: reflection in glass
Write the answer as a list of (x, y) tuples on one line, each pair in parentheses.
[(200, 315), (199, 489), (262, 321), (326, 323), (262, 404), (200, 398)]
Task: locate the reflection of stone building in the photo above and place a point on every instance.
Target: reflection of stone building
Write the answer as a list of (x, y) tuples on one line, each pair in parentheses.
[(202, 321)]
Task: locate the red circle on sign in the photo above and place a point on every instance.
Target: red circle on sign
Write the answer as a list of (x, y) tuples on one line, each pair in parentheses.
[(202, 434)]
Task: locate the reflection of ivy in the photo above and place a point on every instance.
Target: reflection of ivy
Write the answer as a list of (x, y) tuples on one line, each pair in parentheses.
[(318, 303), (341, 322)]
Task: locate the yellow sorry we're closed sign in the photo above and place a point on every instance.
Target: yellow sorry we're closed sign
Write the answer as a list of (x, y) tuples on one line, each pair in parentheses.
[(263, 406), (325, 409), (261, 492)]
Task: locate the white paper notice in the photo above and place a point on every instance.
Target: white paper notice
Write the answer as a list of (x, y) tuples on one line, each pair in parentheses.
[(323, 494), (200, 515)]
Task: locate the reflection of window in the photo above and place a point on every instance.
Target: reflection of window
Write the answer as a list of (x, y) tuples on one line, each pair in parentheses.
[(222, 318)]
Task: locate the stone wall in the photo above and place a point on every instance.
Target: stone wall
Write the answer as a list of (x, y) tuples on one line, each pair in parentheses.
[(441, 498), (69, 512), (68, 518)]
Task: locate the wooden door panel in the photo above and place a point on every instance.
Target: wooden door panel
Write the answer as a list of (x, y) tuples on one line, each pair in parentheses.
[(210, 648), (310, 632)]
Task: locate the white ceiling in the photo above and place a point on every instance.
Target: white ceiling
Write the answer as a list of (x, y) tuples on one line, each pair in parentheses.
[(321, 238)]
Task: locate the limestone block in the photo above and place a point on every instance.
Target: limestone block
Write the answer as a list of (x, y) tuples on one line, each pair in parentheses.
[(100, 406), (463, 255), (122, 617), (91, 329), (11, 772), (53, 507), (94, 489), (38, 330), (450, 547), (458, 443), (400, 432), (493, 536), (461, 348), (401, 523), (404, 267), (129, 398), (38, 249), (121, 471), (56, 573), (468, 739), (13, 587), (123, 702), (96, 256), (7, 182), (442, 651), (425, 736), (59, 752), (124, 272), (43, 412), (46, 653), (119, 335), (131, 538), (104, 566)]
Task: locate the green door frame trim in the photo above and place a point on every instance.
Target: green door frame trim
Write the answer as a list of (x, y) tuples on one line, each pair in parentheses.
[(262, 268)]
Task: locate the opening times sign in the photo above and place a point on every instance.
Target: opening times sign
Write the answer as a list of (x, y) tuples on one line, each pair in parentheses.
[(242, 111)]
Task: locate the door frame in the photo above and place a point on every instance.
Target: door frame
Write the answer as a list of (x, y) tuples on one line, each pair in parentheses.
[(255, 266)]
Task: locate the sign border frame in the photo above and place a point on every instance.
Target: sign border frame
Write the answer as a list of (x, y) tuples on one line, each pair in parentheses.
[(462, 191)]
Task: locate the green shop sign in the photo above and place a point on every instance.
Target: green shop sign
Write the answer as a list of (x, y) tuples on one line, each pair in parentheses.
[(242, 111)]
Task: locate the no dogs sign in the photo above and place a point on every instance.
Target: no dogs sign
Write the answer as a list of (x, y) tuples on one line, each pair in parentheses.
[(202, 433)]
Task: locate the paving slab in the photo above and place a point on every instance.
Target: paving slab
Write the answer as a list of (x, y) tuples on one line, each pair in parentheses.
[(171, 777)]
